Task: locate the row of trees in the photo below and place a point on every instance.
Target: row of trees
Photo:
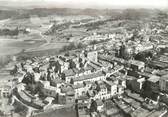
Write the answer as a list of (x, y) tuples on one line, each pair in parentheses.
[(72, 46), (4, 60), (9, 32), (12, 32)]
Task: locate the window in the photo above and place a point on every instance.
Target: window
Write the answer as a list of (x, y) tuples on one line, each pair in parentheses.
[(83, 92), (7, 94), (4, 94)]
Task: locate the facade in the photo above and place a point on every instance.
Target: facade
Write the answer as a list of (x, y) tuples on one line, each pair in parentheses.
[(120, 89), (137, 65), (151, 89), (92, 56), (135, 84), (5, 91), (90, 77), (80, 90), (56, 82), (49, 90), (112, 88), (103, 93), (163, 83)]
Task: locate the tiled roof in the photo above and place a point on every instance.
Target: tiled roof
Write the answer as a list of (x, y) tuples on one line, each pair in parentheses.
[(69, 72), (89, 76), (154, 78)]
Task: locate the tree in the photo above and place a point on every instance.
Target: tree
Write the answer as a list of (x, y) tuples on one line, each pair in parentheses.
[(48, 75), (34, 88), (84, 83), (71, 81), (80, 45), (93, 106), (36, 69), (87, 93), (63, 76), (14, 71), (28, 78), (72, 65), (97, 86), (93, 42)]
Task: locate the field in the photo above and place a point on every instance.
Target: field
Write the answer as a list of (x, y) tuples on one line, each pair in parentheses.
[(51, 29), (11, 46), (35, 40)]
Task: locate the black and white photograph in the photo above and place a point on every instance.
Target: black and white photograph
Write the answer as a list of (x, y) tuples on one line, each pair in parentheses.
[(83, 58)]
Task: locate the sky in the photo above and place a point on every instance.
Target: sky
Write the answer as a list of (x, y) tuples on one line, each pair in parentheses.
[(161, 4)]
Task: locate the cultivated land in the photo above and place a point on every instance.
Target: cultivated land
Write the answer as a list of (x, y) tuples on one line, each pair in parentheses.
[(99, 62), (56, 27)]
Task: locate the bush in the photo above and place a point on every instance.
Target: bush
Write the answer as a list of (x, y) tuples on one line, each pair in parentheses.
[(93, 42), (72, 46), (4, 60)]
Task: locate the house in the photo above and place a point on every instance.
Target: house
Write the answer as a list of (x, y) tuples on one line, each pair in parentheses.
[(94, 66), (56, 82), (140, 112), (122, 81), (92, 56), (102, 92), (91, 93), (61, 98), (111, 87), (37, 77), (29, 100), (137, 65), (151, 88), (49, 90), (100, 105), (158, 113), (87, 84), (113, 112), (124, 107), (44, 84), (66, 99), (87, 69), (134, 96), (158, 64), (154, 82), (67, 95), (80, 90), (135, 84), (68, 74), (113, 79), (70, 97), (120, 89), (5, 91), (90, 77), (145, 47), (163, 83), (164, 98), (20, 87), (105, 65), (113, 70)]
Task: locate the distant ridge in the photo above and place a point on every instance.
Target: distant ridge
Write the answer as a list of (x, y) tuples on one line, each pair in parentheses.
[(9, 12)]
